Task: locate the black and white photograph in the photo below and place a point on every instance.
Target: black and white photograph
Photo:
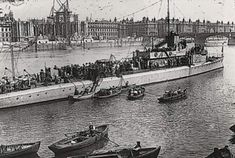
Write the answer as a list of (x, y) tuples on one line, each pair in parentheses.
[(117, 78)]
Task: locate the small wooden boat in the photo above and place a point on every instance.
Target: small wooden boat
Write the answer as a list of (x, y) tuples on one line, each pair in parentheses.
[(126, 153), (221, 153), (18, 150), (79, 140), (136, 93), (172, 96), (107, 93)]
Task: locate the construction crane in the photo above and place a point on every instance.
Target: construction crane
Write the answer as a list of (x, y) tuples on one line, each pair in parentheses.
[(60, 19)]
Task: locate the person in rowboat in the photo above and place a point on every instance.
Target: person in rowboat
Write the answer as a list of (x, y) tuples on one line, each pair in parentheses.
[(92, 130), (76, 91), (179, 90), (135, 152), (137, 146)]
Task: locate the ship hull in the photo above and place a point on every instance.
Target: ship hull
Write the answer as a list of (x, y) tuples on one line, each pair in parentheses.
[(62, 91)]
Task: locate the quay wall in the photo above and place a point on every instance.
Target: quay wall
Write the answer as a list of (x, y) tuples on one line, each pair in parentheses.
[(85, 45), (111, 44), (48, 47), (62, 91)]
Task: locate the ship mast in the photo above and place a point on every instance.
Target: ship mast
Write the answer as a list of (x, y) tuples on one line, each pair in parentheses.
[(168, 17), (12, 62), (67, 21), (11, 49)]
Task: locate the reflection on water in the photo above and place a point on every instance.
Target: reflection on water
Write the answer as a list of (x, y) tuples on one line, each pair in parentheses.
[(188, 128)]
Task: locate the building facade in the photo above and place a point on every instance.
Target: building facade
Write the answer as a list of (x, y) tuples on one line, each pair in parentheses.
[(6, 25), (101, 29), (5, 33), (24, 30), (61, 27)]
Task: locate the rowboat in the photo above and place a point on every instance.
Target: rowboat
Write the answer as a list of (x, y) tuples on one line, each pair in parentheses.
[(79, 140), (221, 153), (136, 93), (107, 93), (17, 150), (134, 97), (172, 96), (126, 153)]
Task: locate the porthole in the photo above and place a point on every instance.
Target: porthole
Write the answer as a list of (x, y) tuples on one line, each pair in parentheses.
[(30, 96), (37, 94), (17, 98), (46, 93)]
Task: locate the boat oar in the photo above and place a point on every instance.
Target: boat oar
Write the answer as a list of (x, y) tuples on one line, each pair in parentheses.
[(110, 140), (107, 138)]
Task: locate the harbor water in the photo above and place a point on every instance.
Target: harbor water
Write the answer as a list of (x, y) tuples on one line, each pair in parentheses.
[(189, 128)]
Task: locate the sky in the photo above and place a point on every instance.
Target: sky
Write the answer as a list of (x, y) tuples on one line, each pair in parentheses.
[(108, 9)]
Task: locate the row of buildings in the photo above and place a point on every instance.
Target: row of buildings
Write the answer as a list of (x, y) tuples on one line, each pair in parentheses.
[(19, 30), (61, 28)]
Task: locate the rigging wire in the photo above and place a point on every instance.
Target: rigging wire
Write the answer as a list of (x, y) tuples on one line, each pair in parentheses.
[(159, 9), (25, 63), (4, 55), (6, 52), (139, 10), (16, 63), (178, 9)]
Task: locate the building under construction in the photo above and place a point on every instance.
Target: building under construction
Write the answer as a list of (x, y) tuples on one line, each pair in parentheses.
[(62, 23)]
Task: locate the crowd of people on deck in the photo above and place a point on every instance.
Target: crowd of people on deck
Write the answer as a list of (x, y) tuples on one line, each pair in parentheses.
[(65, 74), (75, 72)]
